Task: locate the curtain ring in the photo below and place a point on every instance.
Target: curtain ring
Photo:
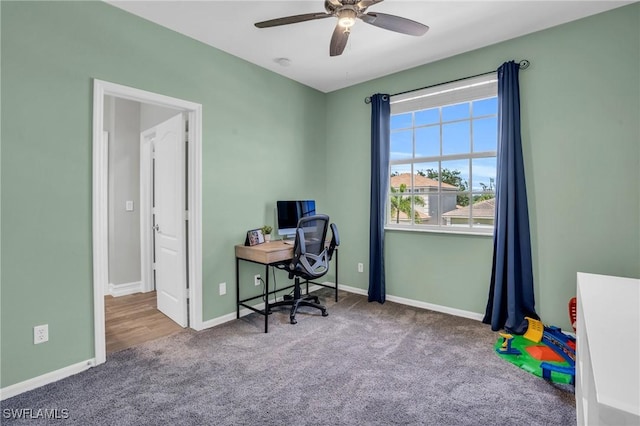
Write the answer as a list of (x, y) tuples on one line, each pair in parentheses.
[(367, 100)]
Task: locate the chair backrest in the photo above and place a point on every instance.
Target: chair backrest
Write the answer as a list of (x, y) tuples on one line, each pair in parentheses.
[(310, 254)]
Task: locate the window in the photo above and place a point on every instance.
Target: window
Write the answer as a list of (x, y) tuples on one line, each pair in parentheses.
[(443, 157)]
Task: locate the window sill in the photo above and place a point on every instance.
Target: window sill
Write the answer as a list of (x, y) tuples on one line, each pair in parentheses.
[(435, 230)]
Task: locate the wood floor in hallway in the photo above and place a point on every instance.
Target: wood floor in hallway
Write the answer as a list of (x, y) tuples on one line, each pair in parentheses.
[(135, 319)]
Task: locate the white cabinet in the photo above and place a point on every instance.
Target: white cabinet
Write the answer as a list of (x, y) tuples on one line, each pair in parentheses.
[(608, 351)]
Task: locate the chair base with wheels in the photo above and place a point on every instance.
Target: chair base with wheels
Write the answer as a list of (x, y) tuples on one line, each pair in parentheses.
[(298, 300)]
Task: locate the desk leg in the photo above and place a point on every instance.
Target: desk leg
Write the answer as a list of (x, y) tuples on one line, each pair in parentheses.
[(336, 274), (237, 288), (266, 299)]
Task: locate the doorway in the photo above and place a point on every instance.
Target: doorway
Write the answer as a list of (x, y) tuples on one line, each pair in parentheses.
[(135, 319), (189, 213)]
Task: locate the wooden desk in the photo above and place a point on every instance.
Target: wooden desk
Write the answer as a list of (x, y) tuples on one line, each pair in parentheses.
[(267, 253), (270, 254)]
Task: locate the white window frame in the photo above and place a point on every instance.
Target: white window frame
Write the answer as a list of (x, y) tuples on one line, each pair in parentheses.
[(461, 91)]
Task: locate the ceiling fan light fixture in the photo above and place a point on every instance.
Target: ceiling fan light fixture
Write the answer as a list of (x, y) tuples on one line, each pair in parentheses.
[(347, 17)]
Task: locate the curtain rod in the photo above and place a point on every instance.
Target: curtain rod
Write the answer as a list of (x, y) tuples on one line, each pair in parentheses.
[(524, 64)]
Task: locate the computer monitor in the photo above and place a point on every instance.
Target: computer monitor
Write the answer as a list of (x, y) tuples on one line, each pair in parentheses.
[(288, 214)]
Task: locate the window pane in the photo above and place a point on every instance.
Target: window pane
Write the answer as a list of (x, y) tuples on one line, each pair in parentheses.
[(400, 178), (456, 138), (426, 178), (429, 213), (485, 107), (401, 121), (455, 183), (455, 112), (483, 210), (400, 168), (428, 141), (399, 208), (484, 174), (485, 134), (425, 200), (401, 145), (460, 214), (400, 197), (419, 201), (456, 173), (427, 116)]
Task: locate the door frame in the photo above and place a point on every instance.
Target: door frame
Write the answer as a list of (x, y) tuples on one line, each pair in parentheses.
[(146, 212), (100, 222)]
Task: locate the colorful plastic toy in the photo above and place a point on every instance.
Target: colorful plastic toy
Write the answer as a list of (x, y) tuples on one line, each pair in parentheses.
[(544, 351), (534, 330), (505, 348)]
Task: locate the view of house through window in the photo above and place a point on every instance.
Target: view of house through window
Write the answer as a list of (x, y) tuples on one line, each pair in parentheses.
[(443, 157)]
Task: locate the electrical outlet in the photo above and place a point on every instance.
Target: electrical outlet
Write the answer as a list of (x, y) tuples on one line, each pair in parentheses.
[(40, 334), (223, 288), (360, 267), (256, 279)]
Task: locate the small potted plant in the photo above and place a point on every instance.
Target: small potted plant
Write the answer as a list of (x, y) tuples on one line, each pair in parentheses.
[(266, 231)]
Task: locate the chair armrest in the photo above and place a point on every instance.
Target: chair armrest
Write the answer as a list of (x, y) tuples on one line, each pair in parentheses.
[(335, 240)]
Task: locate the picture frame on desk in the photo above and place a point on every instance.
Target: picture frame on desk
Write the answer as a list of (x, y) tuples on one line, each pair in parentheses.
[(254, 237)]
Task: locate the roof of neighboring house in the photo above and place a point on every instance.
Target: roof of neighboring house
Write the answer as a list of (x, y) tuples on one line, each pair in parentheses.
[(403, 216), (482, 209), (419, 181)]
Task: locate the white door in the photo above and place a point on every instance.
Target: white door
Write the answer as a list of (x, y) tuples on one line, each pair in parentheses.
[(169, 212)]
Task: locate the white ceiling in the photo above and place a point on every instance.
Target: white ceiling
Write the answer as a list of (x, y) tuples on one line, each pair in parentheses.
[(455, 27)]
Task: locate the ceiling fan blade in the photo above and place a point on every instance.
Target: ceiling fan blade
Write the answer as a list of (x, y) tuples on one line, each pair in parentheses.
[(338, 41), (363, 4), (395, 23), (292, 19)]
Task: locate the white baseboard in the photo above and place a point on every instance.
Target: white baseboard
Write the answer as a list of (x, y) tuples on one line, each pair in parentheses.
[(438, 308), (355, 290), (419, 304), (45, 379), (117, 290)]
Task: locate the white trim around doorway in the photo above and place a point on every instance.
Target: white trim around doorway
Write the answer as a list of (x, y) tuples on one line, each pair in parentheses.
[(100, 202)]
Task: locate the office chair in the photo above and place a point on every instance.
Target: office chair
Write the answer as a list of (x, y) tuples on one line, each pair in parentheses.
[(310, 261)]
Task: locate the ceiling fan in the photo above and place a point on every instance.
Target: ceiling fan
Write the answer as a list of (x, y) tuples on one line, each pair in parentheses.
[(347, 11)]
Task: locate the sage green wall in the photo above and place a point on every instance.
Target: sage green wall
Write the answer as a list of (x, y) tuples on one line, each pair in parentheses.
[(581, 138), (580, 133), (254, 123)]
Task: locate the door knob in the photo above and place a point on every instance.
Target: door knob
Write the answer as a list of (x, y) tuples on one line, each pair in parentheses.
[(156, 227)]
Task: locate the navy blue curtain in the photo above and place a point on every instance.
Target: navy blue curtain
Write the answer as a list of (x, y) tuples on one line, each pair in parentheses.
[(380, 118), (511, 291)]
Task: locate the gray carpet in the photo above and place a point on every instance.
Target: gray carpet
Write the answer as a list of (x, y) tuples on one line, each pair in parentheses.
[(364, 364)]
